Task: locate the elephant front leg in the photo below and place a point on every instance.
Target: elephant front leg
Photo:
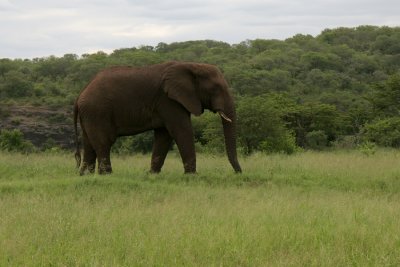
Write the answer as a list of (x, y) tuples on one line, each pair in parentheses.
[(184, 139), (105, 166), (161, 145)]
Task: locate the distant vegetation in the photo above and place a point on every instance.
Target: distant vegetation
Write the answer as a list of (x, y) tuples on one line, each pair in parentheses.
[(340, 89)]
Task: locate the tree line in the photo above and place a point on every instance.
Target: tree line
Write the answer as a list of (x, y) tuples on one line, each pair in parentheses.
[(339, 89)]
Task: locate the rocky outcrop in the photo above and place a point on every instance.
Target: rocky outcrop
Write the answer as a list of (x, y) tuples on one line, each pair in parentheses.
[(43, 126)]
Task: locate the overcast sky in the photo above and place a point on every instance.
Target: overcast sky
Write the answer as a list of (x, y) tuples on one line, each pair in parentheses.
[(38, 28)]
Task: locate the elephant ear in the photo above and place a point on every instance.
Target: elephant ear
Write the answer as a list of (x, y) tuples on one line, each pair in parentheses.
[(179, 85)]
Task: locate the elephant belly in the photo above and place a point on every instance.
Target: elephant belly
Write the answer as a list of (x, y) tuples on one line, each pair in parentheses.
[(125, 131), (135, 121)]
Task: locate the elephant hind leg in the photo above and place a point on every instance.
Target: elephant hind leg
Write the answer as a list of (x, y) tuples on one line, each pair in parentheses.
[(104, 162), (103, 149), (102, 137), (89, 155), (161, 145)]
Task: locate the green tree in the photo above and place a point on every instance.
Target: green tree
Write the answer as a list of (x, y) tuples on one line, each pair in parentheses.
[(16, 84), (54, 67), (385, 97), (383, 132), (261, 126), (322, 61), (7, 65), (321, 119), (388, 44)]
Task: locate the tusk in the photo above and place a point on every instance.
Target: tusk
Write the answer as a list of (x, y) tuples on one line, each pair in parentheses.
[(224, 116)]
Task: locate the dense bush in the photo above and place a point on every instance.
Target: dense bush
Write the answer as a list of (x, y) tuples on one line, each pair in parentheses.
[(141, 143), (260, 126), (13, 140), (384, 132), (15, 84)]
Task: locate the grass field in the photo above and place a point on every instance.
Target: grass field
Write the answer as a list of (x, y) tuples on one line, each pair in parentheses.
[(308, 209)]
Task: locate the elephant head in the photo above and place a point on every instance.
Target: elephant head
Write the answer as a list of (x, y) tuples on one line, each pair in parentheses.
[(201, 86)]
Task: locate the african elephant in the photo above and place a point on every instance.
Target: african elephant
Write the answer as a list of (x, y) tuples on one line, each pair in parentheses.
[(123, 101)]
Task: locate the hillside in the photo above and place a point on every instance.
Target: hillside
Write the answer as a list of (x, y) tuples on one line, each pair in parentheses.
[(42, 125), (339, 88)]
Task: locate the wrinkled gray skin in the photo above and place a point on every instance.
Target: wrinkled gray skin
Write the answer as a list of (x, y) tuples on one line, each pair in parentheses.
[(123, 101)]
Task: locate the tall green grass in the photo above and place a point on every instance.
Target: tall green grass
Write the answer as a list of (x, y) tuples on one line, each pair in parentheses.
[(308, 209)]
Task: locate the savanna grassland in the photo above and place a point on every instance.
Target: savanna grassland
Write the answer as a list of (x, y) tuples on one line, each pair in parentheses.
[(306, 209)]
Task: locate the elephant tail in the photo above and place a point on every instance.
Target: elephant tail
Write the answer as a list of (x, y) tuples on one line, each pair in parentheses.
[(78, 151)]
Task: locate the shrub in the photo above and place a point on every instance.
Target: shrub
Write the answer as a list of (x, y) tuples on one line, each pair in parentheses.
[(260, 126), (286, 143), (13, 140), (367, 148), (384, 132), (142, 143), (16, 84)]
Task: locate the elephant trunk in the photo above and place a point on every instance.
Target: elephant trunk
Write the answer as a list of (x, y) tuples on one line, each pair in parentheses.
[(229, 125)]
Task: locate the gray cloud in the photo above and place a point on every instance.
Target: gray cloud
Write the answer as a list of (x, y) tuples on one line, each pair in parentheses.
[(44, 27)]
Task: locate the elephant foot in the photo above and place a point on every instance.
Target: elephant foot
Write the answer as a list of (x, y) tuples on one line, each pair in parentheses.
[(105, 170), (155, 171), (86, 167), (105, 167), (190, 170)]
